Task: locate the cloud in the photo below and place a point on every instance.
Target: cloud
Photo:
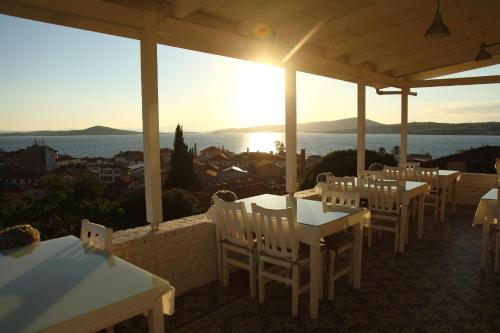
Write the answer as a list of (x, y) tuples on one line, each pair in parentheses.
[(463, 108)]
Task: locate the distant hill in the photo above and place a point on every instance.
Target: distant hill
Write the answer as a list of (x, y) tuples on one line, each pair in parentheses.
[(95, 130), (340, 126), (349, 125)]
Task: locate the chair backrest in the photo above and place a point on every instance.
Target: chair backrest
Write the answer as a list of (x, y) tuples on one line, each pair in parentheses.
[(321, 177), (376, 167), (276, 235), (341, 183), (383, 196), (412, 165), (232, 222), (96, 235), (394, 173), (340, 198), (429, 176)]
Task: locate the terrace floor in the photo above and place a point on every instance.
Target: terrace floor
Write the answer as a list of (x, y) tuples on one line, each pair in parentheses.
[(436, 286)]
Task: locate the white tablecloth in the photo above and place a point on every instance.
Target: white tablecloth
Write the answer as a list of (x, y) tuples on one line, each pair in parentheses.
[(488, 209)]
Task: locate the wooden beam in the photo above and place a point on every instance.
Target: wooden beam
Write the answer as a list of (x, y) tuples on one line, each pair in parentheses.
[(462, 81), (361, 128), (291, 128), (462, 30), (182, 8), (150, 124), (445, 60), (272, 15)]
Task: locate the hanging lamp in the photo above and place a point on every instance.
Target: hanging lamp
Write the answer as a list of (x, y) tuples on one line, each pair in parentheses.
[(437, 29)]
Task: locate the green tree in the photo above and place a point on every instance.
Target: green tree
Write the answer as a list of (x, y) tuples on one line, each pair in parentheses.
[(182, 173), (343, 163), (178, 203), (280, 147), (396, 150)]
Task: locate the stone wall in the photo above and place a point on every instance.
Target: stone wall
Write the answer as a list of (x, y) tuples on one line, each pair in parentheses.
[(183, 251)]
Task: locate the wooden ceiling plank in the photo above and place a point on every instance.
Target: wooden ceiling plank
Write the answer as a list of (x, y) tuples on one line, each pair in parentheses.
[(462, 81), (182, 8)]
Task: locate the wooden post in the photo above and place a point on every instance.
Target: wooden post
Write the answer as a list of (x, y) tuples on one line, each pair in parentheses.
[(361, 126), (150, 124), (291, 129), (404, 128)]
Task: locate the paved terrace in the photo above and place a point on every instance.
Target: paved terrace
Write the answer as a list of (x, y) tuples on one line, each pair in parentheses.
[(436, 286)]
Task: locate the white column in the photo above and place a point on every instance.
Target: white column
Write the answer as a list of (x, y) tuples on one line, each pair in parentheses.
[(150, 126), (361, 126), (291, 129), (404, 128)]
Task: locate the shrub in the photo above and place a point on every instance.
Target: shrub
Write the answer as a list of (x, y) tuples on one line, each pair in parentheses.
[(19, 235), (225, 195), (178, 203), (344, 163)]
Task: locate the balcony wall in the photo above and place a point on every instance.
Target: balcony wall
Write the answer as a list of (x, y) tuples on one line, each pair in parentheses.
[(183, 251), (472, 186)]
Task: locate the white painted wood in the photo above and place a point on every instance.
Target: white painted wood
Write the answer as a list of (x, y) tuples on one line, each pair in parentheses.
[(492, 79), (96, 235), (155, 317), (150, 124), (404, 128), (431, 177), (182, 8), (235, 239), (291, 128), (361, 127)]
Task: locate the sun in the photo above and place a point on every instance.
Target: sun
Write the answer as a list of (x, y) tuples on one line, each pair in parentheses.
[(259, 95)]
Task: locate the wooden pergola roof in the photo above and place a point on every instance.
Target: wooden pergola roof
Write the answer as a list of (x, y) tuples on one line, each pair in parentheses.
[(379, 41)]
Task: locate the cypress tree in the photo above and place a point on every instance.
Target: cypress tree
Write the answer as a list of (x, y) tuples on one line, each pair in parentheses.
[(182, 173)]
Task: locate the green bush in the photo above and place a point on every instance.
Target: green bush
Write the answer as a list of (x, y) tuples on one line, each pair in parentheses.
[(178, 203), (344, 163), (19, 235)]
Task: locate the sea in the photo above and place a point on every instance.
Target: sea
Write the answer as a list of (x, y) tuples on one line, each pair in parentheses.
[(313, 143)]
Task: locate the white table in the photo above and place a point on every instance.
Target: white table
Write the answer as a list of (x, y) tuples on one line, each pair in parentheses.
[(487, 213), (314, 221), (409, 190), (62, 285)]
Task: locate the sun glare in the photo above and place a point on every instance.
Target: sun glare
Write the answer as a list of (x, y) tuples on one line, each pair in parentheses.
[(259, 95), (263, 141)]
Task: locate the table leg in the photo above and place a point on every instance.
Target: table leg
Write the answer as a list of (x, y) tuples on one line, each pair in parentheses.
[(403, 227), (315, 272), (421, 202), (444, 189), (454, 196), (484, 244), (219, 253), (357, 255), (155, 317)]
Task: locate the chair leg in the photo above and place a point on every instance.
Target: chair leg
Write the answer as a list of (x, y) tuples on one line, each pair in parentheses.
[(331, 267), (321, 275), (262, 283), (295, 290), (497, 251), (253, 278), (396, 241), (225, 269), (350, 276)]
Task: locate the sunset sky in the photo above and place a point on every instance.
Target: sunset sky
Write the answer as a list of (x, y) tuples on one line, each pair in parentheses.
[(53, 77)]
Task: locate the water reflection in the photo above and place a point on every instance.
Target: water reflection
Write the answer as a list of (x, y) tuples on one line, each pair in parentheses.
[(263, 141)]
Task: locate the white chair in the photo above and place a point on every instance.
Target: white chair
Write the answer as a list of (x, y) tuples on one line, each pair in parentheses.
[(341, 183), (341, 242), (280, 256), (96, 235), (237, 241), (384, 205), (394, 173), (431, 177)]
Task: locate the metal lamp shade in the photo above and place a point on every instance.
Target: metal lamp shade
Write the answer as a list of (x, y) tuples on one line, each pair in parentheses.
[(483, 54), (437, 29)]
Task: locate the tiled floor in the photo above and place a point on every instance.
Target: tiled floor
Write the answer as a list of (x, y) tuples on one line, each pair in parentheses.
[(436, 286)]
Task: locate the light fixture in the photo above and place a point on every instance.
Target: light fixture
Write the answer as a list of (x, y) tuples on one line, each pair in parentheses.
[(483, 54), (437, 29)]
